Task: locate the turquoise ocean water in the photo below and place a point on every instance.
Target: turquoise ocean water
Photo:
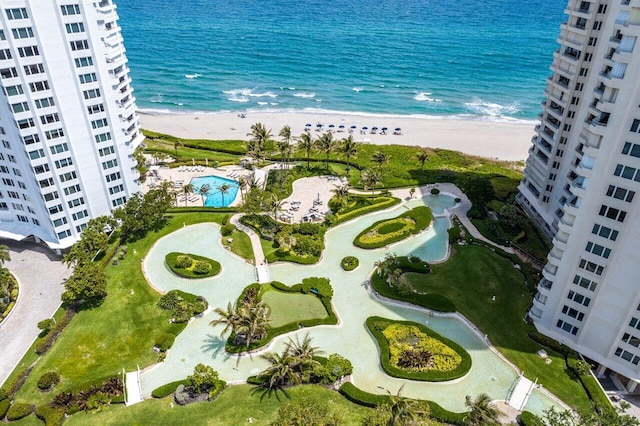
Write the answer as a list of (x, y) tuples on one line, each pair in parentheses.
[(483, 59)]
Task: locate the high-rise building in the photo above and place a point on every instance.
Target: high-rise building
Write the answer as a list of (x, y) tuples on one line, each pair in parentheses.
[(580, 185), (68, 122)]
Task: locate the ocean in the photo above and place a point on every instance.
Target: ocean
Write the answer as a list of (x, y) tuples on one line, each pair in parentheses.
[(483, 59)]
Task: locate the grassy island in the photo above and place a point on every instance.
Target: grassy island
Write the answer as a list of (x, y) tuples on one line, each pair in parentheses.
[(188, 265), (390, 231)]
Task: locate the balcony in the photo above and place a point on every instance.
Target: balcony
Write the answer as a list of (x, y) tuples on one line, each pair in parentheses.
[(571, 53)]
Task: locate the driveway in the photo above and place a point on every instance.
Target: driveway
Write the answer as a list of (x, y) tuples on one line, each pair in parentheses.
[(40, 275)]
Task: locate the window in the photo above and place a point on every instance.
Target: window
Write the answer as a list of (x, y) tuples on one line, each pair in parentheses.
[(96, 124), (631, 149), (55, 209), (635, 126), (8, 72), (41, 169), (90, 94), (620, 193), (63, 163), (19, 33), (71, 190), (20, 107), (70, 9), (75, 203), (598, 250), (569, 328), (109, 164), (49, 118), (44, 183), (2, 36), (28, 51), (53, 134), (84, 62), (573, 313), (22, 218), (57, 149), (612, 213), (118, 201), (602, 8), (604, 232), (103, 137), (65, 177), (38, 153), (64, 234), (80, 215), (75, 27), (39, 86), (8, 182), (591, 267), (106, 151), (95, 109), (14, 90), (34, 69), (87, 78), (51, 196), (44, 102), (17, 13), (6, 144), (115, 189), (627, 356), (632, 340), (79, 45), (113, 176), (13, 194)]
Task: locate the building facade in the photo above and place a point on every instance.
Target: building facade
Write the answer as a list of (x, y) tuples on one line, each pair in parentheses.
[(68, 122), (580, 185)]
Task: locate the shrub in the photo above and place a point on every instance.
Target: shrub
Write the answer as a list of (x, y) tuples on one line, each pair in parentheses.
[(530, 419), (44, 344), (3, 394), (321, 285), (183, 262), (199, 307), (226, 218), (46, 325), (165, 341), (166, 390), (18, 411), (200, 267), (454, 234), (334, 369), (48, 380), (227, 229), (50, 416), (435, 191), (4, 407), (169, 300), (203, 378), (349, 263)]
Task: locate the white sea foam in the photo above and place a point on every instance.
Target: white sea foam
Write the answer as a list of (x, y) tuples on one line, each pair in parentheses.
[(192, 76), (491, 109), (263, 103), (304, 95), (243, 95), (426, 96), (357, 89), (157, 99)]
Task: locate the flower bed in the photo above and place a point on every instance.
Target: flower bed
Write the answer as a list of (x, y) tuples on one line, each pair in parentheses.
[(446, 361), (349, 263), (390, 231), (191, 265), (8, 293)]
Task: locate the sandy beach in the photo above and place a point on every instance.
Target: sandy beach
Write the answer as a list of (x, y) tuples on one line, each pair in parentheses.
[(499, 140)]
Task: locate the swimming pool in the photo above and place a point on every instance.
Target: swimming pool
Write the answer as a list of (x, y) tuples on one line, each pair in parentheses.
[(216, 198)]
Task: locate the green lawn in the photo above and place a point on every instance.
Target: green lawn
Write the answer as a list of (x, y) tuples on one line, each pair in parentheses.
[(240, 244), (292, 307), (233, 407), (120, 333), (470, 278)]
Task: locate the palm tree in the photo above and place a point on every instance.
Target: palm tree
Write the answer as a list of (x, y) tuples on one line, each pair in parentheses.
[(306, 144), (482, 412), (5, 256), (242, 185), (256, 145), (203, 191), (380, 158), (423, 156), (349, 148), (186, 190), (326, 144), (176, 144), (282, 371), (276, 205), (254, 322), (230, 318), (341, 193), (404, 411), (370, 179), (284, 146), (302, 352), (224, 189)]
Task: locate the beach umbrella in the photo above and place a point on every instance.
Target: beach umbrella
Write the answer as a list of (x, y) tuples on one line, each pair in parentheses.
[(341, 126), (398, 129), (331, 126), (308, 125), (385, 128), (354, 127), (374, 128)]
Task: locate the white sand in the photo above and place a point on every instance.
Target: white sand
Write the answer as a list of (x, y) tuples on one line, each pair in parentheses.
[(503, 140)]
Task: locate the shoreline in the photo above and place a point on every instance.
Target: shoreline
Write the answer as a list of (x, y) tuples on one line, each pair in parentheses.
[(507, 140)]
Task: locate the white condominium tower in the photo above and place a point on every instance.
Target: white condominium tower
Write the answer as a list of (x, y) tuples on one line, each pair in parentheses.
[(68, 122), (580, 185)]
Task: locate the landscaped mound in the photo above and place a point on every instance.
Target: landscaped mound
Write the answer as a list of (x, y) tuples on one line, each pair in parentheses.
[(413, 351), (349, 263), (191, 265), (264, 311), (8, 293), (390, 231)]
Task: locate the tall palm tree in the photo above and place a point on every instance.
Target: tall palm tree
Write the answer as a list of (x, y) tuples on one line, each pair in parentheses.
[(254, 321), (326, 144), (203, 191), (341, 193), (349, 148), (284, 146), (423, 156), (5, 256), (242, 185), (370, 179), (301, 351), (307, 145), (224, 189), (380, 158), (186, 190), (256, 145), (404, 411), (276, 205), (482, 412), (176, 144), (229, 318), (281, 372)]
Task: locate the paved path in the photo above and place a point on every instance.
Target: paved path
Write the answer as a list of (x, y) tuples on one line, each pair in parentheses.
[(258, 254), (40, 275)]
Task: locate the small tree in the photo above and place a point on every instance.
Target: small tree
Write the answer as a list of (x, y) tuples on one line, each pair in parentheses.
[(88, 283), (203, 378), (46, 325), (479, 191), (307, 412)]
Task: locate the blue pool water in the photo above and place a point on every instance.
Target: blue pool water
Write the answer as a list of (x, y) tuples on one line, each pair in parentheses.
[(216, 198)]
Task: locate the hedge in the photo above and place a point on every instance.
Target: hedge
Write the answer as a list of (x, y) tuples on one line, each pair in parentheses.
[(46, 342), (421, 216), (171, 258), (166, 390), (4, 407), (50, 416), (435, 302), (196, 209), (430, 376), (360, 397), (330, 319), (382, 205), (529, 419), (19, 410), (595, 394), (349, 263)]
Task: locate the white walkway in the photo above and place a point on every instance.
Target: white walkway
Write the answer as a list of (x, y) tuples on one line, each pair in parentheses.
[(521, 393), (133, 393)]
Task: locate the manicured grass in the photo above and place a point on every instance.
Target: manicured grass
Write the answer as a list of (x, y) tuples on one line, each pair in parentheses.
[(171, 259), (285, 308), (390, 231), (529, 239), (233, 407), (121, 332), (471, 278), (349, 263), (378, 327), (240, 244)]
